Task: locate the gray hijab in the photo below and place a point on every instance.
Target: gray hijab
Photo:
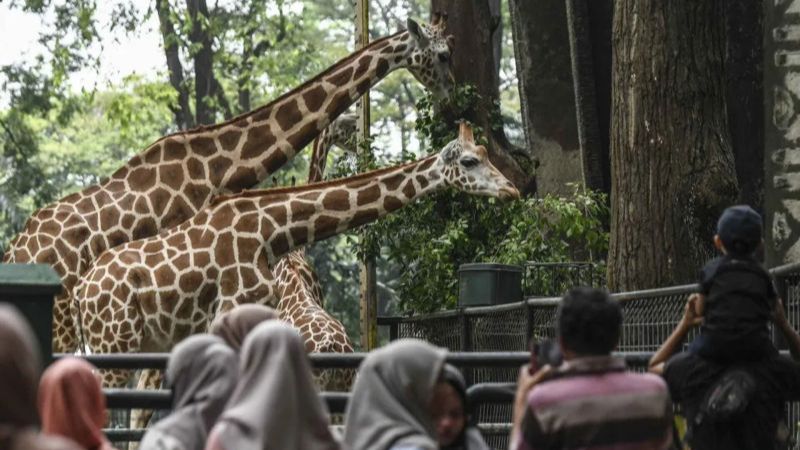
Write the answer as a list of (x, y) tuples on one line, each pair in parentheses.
[(390, 402), (202, 372), (275, 405), (234, 325)]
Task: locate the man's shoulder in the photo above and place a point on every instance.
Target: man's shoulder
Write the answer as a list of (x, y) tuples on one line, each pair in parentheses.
[(600, 386)]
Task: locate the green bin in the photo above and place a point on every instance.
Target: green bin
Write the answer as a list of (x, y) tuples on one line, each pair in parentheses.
[(481, 284), (32, 288)]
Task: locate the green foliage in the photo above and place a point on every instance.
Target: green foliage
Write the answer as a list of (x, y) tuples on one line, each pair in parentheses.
[(432, 238)]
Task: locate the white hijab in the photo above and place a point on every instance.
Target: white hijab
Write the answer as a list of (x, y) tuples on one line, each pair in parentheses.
[(390, 402), (202, 372), (275, 405)]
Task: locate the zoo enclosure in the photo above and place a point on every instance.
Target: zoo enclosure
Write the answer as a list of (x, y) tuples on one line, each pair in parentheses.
[(649, 318)]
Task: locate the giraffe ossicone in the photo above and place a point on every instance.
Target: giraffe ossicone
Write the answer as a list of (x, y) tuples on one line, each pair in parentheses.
[(149, 294), (178, 175)]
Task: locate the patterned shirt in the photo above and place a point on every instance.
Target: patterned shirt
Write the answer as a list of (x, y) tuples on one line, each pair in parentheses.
[(593, 403)]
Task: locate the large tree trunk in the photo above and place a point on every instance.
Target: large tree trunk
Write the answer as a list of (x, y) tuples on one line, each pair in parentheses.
[(745, 95), (182, 112), (590, 47), (470, 22), (547, 99), (205, 86), (671, 159)]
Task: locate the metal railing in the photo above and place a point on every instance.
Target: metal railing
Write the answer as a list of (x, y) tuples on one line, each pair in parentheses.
[(649, 317), (542, 279), (490, 401)]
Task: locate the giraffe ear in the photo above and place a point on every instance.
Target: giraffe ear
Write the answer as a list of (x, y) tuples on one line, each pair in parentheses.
[(416, 32), (451, 151)]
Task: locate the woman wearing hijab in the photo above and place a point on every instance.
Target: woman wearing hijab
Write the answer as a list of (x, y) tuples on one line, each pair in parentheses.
[(19, 375), (234, 325), (275, 405), (72, 404), (451, 414), (390, 408), (202, 373)]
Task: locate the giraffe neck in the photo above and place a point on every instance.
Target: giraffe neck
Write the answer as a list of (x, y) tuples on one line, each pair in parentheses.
[(293, 217), (258, 143)]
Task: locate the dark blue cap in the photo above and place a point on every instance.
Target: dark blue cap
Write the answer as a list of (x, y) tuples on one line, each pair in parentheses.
[(739, 227)]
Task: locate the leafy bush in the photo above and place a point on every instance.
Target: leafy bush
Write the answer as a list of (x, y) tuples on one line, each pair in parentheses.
[(430, 239)]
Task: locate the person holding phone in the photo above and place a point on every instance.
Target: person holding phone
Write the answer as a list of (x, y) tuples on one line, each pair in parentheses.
[(589, 400)]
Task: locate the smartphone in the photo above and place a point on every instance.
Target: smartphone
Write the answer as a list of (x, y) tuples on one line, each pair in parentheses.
[(543, 353)]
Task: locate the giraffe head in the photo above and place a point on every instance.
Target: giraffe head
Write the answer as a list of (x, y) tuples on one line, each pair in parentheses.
[(466, 167), (429, 55)]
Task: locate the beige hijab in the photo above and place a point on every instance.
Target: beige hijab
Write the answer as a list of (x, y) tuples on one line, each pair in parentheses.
[(275, 405), (20, 364), (234, 325), (390, 402), (202, 372)]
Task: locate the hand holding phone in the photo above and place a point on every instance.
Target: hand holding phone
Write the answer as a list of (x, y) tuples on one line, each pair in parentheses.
[(546, 352)]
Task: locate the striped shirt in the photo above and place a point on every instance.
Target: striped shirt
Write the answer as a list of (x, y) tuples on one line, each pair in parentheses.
[(594, 404)]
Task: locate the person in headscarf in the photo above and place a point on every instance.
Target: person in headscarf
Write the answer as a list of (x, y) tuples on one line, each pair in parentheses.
[(275, 405), (390, 407), (72, 403), (451, 414), (202, 372), (20, 364), (234, 325)]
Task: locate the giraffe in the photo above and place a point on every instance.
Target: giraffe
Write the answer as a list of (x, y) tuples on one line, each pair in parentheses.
[(179, 174), (299, 292), (300, 299), (147, 295)]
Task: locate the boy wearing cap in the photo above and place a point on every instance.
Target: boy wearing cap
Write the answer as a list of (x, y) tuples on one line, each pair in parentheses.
[(738, 297)]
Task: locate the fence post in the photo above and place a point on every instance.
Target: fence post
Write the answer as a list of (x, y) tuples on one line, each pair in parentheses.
[(466, 342), (783, 290)]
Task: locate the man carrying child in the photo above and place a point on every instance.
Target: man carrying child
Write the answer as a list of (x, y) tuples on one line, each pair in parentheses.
[(732, 384)]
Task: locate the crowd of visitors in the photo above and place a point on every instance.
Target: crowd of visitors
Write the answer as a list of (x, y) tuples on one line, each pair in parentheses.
[(248, 384)]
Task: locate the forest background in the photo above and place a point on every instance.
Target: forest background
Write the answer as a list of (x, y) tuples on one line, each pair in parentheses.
[(67, 120)]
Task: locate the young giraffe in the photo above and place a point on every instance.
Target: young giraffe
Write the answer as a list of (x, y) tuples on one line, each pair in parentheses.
[(149, 294), (179, 174), (299, 292)]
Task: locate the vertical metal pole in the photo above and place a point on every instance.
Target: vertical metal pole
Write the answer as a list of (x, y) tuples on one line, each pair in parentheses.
[(368, 295)]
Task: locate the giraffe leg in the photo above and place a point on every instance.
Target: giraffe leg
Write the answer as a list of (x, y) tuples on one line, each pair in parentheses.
[(149, 379), (64, 333)]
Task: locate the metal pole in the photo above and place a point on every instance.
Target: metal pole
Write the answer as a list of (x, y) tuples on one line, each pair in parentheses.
[(367, 277)]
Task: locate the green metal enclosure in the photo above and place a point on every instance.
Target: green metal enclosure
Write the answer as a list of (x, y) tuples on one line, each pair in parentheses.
[(31, 288), (489, 284)]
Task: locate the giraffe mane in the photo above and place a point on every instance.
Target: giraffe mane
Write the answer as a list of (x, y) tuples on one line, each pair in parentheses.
[(333, 67), (321, 185)]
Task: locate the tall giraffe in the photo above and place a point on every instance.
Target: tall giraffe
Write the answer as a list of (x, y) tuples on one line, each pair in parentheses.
[(149, 294), (300, 299), (178, 175)]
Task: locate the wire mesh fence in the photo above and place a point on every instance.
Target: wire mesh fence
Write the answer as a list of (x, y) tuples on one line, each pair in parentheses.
[(649, 318)]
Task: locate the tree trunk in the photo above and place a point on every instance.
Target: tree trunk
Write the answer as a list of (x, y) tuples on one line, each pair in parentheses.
[(671, 159), (547, 99), (470, 22), (205, 86), (590, 48), (182, 113), (745, 95)]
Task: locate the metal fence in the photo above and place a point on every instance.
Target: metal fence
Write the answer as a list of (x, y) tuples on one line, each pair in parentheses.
[(492, 397), (649, 318), (542, 279)]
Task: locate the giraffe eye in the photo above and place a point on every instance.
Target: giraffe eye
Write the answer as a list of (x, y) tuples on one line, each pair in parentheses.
[(444, 57), (469, 162)]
